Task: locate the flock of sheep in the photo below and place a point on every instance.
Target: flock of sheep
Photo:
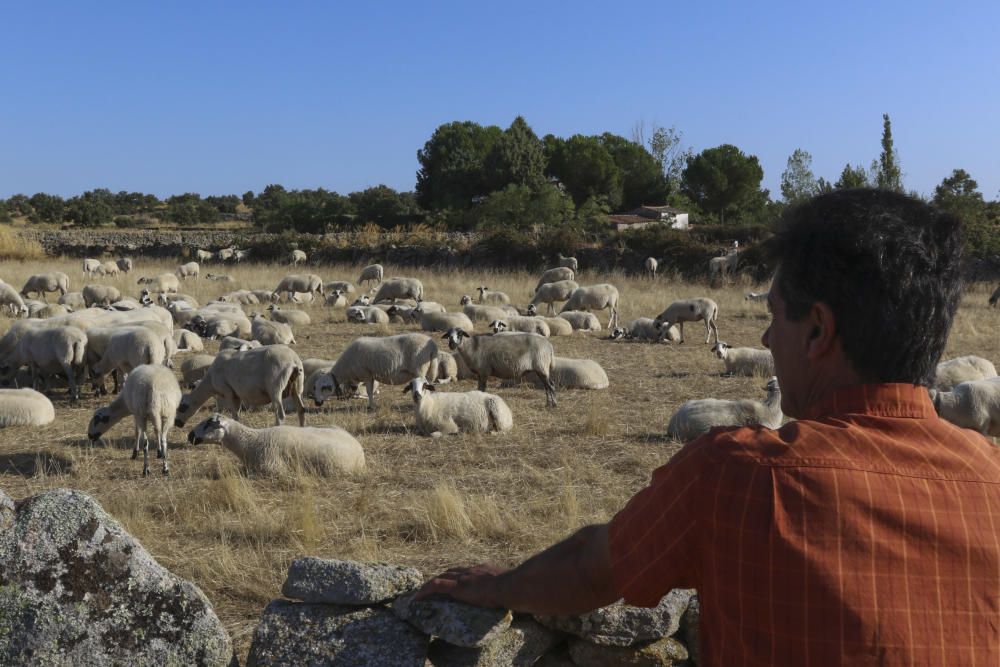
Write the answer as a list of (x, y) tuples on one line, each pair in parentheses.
[(96, 332)]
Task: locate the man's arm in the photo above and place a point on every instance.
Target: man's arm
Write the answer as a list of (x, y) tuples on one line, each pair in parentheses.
[(571, 577)]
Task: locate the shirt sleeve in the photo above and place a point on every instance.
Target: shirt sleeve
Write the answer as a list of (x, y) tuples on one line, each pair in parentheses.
[(655, 539)]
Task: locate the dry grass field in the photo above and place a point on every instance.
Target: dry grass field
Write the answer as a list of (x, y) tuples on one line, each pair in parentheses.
[(424, 502)]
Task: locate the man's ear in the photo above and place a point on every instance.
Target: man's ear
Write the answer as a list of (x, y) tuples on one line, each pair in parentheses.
[(822, 331)]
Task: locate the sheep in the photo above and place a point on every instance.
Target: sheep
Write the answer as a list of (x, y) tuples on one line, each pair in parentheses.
[(304, 283), (40, 283), (745, 360), (568, 262), (124, 264), (444, 321), (447, 370), (362, 300), (46, 310), (429, 307), (244, 297), (691, 310), (962, 369), (209, 323), (478, 313), (263, 295), (270, 333), (128, 348), (974, 404), (91, 266), (165, 282), (595, 297), (297, 257), (48, 351), (389, 360), (492, 298), (582, 321), (521, 324), (451, 413), (464, 372), (234, 343), (73, 300), (101, 295), (644, 328), (371, 274), (194, 367), (400, 288), (294, 317), (560, 290), (651, 265), (188, 341), (995, 297), (203, 255), (151, 395), (167, 298), (555, 275), (25, 407), (249, 378), (240, 255), (507, 356), (367, 315), (109, 268), (720, 267), (189, 270), (12, 301), (756, 297), (557, 325), (277, 450), (401, 314), (220, 278), (342, 285), (336, 299), (697, 417), (225, 254), (575, 374)]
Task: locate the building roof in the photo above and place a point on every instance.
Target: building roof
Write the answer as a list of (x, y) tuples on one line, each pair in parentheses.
[(655, 211)]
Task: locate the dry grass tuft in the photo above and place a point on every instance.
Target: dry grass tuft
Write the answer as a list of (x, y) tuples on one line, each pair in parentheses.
[(14, 247)]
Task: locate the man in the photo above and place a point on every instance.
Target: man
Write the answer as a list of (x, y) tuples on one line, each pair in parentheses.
[(866, 532)]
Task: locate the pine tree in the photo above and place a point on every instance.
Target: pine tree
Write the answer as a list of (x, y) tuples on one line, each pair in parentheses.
[(888, 176)]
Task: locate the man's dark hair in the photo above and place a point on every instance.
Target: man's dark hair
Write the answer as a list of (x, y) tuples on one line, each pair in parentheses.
[(887, 265)]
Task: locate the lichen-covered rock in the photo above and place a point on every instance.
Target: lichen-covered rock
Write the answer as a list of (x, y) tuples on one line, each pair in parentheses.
[(7, 511), (689, 628), (294, 633), (520, 645), (76, 589), (348, 582), (666, 652), (623, 625), (455, 622)]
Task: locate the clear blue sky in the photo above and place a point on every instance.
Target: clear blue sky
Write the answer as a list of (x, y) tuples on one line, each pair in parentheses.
[(220, 98)]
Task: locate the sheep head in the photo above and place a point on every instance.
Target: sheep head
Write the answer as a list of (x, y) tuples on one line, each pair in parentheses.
[(212, 429), (454, 337)]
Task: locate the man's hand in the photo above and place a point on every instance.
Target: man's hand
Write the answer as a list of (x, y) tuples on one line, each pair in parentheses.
[(477, 585)]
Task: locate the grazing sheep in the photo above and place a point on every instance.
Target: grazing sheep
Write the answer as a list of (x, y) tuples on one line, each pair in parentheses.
[(220, 278), (745, 360), (371, 274), (189, 270), (575, 374), (12, 301), (367, 315), (234, 343), (204, 255), (389, 360), (303, 283), (263, 295), (582, 321), (342, 285), (478, 313), (91, 266), (720, 267), (691, 310), (651, 265), (294, 317), (644, 328), (560, 290), (249, 378), (455, 412), (568, 262), (394, 289), (492, 298), (506, 356), (109, 268), (188, 341), (270, 333), (193, 368), (444, 321), (521, 324), (126, 349), (25, 407), (100, 295), (47, 352), (974, 404), (124, 264), (72, 300), (695, 418), (962, 369), (297, 257), (757, 297), (40, 283), (151, 395), (555, 275), (595, 297), (280, 449), (995, 297), (165, 282)]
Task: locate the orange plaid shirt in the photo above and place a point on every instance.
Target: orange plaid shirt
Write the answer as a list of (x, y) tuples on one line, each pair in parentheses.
[(867, 533)]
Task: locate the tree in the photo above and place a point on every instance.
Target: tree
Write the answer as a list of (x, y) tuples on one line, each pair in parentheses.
[(525, 208), (452, 164), (248, 199), (46, 208), (91, 209), (383, 206), (797, 181), (585, 168), (518, 157), (722, 178), (888, 175), (852, 177), (643, 181), (959, 194), (665, 146)]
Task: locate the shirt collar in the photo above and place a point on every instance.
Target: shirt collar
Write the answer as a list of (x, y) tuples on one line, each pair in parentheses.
[(884, 400)]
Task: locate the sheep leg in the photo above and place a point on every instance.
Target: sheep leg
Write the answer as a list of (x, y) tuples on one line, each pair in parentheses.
[(370, 388), (162, 437), (482, 381), (145, 454), (711, 326), (74, 390), (550, 389), (552, 311), (680, 325)]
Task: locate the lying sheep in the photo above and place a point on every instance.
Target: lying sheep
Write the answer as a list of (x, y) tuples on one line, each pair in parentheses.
[(165, 282), (220, 278), (557, 325), (974, 404), (744, 360), (962, 369), (582, 321), (25, 407), (367, 315), (444, 321), (188, 341), (45, 311), (560, 290), (151, 395), (492, 298), (478, 313), (40, 283), (234, 343), (644, 328), (401, 314), (336, 299), (124, 264), (243, 297), (389, 360), (447, 370), (188, 270), (691, 310), (429, 307), (342, 285), (394, 289), (270, 333), (292, 317), (209, 323), (757, 297), (371, 274), (100, 295), (297, 257), (555, 275), (305, 283), (193, 368), (575, 374), (506, 356), (595, 297), (12, 301), (250, 378), (463, 411), (522, 324), (697, 417), (568, 262), (48, 352), (282, 449)]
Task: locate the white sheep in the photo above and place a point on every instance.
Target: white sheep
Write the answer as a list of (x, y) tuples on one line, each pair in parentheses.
[(447, 369), (91, 266), (554, 275), (974, 405), (581, 321), (343, 285), (220, 278), (298, 318), (440, 414), (109, 268), (151, 395), (443, 321), (25, 407), (576, 374), (298, 257), (697, 417), (492, 298), (48, 351), (204, 255), (188, 270), (40, 283), (522, 324), (234, 343), (394, 289), (336, 299), (389, 360), (595, 297), (280, 449), (165, 282), (367, 315), (720, 267), (557, 325), (47, 310), (188, 341), (73, 300), (243, 297), (756, 297), (127, 349), (12, 301), (100, 295), (548, 293), (194, 367), (124, 264), (651, 265), (298, 283), (691, 310), (478, 313), (371, 274), (644, 328), (270, 333), (962, 369), (225, 254), (568, 262), (744, 360), (507, 356), (263, 295)]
